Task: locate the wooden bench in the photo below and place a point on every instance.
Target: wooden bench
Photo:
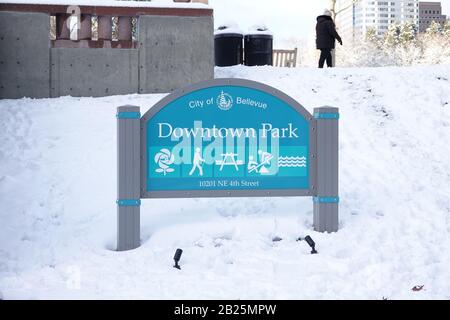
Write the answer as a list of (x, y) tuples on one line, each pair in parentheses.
[(285, 58)]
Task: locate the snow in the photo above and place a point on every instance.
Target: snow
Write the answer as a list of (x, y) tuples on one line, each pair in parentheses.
[(116, 3), (58, 212), (230, 28), (259, 30)]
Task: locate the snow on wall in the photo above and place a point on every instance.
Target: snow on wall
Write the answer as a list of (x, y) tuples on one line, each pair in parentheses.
[(58, 212)]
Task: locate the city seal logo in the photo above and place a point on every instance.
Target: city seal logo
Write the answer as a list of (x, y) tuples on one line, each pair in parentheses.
[(224, 101)]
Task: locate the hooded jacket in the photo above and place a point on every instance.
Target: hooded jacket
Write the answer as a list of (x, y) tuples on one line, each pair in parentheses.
[(326, 33)]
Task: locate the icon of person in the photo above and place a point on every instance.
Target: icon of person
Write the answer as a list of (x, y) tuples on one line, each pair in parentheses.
[(197, 162), (265, 158), (252, 165)]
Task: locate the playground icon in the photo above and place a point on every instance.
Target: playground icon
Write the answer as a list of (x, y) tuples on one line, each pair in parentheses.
[(260, 168)]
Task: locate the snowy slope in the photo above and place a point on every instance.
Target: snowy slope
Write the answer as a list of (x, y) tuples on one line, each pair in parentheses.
[(58, 191)]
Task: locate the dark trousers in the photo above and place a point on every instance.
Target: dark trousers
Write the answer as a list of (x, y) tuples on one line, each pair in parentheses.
[(325, 55)]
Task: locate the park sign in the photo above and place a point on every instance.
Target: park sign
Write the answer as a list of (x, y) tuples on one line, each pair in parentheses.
[(226, 138)]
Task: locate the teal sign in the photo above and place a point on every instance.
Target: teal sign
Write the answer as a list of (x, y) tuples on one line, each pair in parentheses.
[(226, 135), (226, 138)]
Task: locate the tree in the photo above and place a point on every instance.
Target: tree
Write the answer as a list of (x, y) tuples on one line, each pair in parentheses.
[(371, 35), (391, 37), (446, 29), (335, 11), (434, 28), (407, 33)]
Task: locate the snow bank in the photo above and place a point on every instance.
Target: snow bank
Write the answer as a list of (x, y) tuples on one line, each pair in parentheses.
[(58, 212)]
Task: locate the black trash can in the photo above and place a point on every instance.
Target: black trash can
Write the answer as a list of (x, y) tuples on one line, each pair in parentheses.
[(228, 48), (258, 49)]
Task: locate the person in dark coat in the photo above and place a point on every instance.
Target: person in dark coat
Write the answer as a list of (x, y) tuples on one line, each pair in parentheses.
[(326, 35)]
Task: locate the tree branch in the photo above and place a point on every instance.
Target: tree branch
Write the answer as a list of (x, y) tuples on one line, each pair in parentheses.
[(343, 9)]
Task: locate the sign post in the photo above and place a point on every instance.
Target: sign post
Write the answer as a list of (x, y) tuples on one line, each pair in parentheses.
[(326, 199), (226, 138), (128, 181)]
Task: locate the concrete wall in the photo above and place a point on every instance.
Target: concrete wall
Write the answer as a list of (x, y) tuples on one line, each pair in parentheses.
[(93, 72), (24, 55), (187, 45), (173, 51)]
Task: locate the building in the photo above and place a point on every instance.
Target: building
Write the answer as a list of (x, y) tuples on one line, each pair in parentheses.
[(356, 17), (428, 12)]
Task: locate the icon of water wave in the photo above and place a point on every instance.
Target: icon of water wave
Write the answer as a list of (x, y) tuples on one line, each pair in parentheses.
[(292, 162)]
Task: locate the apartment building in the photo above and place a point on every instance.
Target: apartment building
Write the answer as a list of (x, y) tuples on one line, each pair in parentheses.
[(357, 17), (428, 12)]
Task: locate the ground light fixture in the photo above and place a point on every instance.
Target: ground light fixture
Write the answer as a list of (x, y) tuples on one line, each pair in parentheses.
[(310, 242), (177, 258)]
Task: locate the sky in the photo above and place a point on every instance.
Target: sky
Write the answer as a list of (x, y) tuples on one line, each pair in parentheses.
[(286, 18)]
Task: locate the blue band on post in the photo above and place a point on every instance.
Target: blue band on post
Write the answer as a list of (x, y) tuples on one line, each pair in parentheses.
[(318, 115), (128, 115), (128, 202), (326, 199)]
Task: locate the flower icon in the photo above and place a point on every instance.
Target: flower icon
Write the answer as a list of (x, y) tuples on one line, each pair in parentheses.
[(164, 158)]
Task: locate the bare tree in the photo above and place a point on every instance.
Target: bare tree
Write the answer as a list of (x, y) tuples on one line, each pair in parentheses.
[(335, 11)]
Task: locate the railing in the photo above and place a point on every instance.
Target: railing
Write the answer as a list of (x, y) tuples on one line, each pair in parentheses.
[(94, 31), (98, 26), (285, 58)]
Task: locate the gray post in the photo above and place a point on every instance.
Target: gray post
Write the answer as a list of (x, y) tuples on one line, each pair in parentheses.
[(128, 177), (333, 58), (326, 200)]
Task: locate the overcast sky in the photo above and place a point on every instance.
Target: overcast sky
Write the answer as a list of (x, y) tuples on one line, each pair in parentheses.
[(286, 18)]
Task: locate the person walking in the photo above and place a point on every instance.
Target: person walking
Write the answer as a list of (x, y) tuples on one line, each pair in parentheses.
[(197, 162), (326, 35)]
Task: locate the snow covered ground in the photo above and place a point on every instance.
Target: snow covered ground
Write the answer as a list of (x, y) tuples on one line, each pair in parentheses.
[(58, 212)]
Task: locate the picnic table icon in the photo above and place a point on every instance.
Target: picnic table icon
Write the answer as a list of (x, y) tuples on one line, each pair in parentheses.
[(229, 159)]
